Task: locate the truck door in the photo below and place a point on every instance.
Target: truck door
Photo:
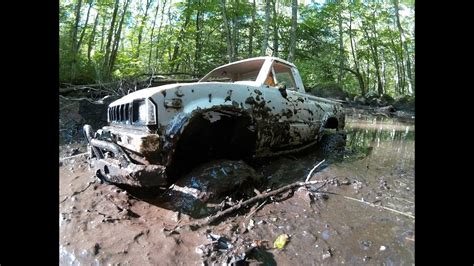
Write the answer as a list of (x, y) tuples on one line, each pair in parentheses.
[(293, 108)]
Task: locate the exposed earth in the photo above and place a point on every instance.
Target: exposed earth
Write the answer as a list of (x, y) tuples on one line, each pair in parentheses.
[(362, 211)]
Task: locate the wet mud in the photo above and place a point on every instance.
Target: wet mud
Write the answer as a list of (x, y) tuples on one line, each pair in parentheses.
[(364, 214)]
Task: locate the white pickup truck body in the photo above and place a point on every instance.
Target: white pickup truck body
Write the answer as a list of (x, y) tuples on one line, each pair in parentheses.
[(252, 108)]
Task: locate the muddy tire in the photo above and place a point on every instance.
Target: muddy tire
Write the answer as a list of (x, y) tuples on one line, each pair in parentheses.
[(219, 177), (333, 142), (198, 192)]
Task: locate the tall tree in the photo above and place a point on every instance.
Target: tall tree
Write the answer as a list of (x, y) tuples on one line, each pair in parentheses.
[(356, 71), (230, 46), (294, 14), (142, 25), (74, 38), (152, 32), (197, 53), (266, 28), (158, 36), (252, 29), (341, 43), (235, 31), (275, 29), (182, 31), (404, 43), (106, 64), (83, 33), (102, 35), (92, 39), (118, 34), (372, 40)]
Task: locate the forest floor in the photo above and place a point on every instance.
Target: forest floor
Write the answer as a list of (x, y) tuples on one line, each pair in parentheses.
[(362, 214)]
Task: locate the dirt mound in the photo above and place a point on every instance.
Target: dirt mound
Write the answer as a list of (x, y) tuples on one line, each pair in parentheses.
[(75, 112), (331, 90)]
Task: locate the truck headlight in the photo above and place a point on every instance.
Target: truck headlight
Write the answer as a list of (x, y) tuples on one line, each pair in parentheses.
[(151, 107), (144, 112)]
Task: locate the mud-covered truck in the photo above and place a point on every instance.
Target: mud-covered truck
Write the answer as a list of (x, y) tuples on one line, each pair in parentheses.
[(247, 109)]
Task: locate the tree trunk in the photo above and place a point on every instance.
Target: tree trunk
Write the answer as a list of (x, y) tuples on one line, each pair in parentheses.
[(341, 46), (102, 35), (105, 66), (294, 14), (375, 56), (79, 43), (151, 35), (360, 79), (252, 30), (158, 36), (230, 53), (275, 30), (197, 54), (91, 39), (142, 25), (117, 38), (170, 29), (174, 64), (383, 68), (401, 53), (367, 81), (74, 39), (404, 45), (397, 65), (266, 28), (235, 32)]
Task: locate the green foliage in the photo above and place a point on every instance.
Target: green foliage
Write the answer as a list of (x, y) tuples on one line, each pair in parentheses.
[(171, 38)]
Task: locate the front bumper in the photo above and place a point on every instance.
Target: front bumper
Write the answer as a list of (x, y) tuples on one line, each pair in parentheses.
[(133, 174), (120, 168)]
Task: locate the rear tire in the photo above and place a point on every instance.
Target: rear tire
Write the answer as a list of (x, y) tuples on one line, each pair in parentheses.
[(333, 142)]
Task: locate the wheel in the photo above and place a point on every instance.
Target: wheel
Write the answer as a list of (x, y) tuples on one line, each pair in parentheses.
[(333, 142)]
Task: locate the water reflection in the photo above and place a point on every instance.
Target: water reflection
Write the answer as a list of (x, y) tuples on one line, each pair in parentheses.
[(388, 141)]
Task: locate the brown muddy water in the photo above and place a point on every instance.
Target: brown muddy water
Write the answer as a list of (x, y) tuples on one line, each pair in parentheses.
[(363, 215)]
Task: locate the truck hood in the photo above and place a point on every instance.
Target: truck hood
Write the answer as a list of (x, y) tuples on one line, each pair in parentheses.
[(145, 93)]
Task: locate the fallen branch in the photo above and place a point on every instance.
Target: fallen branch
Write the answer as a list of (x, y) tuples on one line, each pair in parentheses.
[(79, 99), (314, 168), (205, 221)]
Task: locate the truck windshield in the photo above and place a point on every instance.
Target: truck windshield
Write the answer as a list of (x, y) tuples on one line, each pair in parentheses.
[(239, 71)]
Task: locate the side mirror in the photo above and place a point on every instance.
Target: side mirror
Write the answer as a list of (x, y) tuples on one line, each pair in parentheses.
[(282, 89)]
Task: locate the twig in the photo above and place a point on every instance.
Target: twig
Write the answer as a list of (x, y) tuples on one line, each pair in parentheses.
[(78, 99), (74, 156), (205, 221), (311, 172), (256, 209), (383, 207), (77, 192)]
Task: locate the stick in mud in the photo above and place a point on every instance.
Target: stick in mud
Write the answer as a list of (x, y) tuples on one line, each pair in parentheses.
[(71, 157), (206, 221), (314, 168), (383, 207), (256, 209)]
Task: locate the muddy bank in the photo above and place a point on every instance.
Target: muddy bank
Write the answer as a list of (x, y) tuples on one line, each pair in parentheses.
[(362, 215), (75, 112)]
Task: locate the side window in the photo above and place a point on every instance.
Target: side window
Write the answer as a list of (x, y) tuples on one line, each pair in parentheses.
[(284, 75)]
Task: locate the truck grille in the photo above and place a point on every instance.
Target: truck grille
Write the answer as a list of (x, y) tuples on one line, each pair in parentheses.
[(120, 114)]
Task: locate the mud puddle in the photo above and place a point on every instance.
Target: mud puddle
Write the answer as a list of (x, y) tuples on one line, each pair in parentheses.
[(363, 215)]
